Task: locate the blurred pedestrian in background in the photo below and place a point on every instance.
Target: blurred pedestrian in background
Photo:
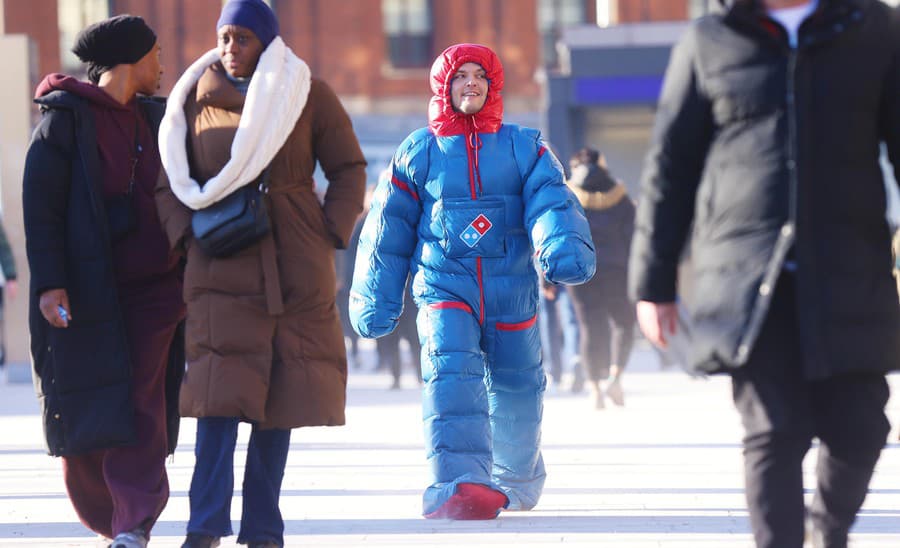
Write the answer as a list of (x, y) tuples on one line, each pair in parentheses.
[(264, 341), (766, 150), (560, 337), (470, 200), (607, 314), (343, 265), (9, 284), (105, 297), (388, 347)]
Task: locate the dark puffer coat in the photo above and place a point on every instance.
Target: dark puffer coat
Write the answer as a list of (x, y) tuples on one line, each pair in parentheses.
[(610, 214), (772, 153), (82, 374)]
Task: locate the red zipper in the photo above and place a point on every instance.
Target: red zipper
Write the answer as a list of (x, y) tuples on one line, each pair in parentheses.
[(471, 157), (480, 291), (472, 146)]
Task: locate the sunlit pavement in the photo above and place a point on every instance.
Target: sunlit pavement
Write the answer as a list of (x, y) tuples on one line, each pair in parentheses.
[(665, 470)]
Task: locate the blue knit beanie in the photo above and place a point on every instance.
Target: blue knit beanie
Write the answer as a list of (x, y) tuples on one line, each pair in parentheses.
[(255, 15)]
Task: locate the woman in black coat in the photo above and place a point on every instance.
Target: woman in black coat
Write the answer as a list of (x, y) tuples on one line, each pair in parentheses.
[(105, 298), (605, 311)]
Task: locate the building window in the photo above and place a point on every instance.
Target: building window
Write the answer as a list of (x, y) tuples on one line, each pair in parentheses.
[(553, 15), (607, 12), (699, 8), (408, 28), (74, 15)]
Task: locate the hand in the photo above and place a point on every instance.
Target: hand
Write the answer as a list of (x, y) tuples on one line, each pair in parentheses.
[(12, 288), (549, 292), (50, 300), (658, 321)]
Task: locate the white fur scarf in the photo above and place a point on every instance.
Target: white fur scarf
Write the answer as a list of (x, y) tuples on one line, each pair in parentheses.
[(275, 99)]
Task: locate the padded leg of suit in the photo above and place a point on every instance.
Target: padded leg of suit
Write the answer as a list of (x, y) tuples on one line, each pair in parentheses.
[(454, 404), (516, 383)]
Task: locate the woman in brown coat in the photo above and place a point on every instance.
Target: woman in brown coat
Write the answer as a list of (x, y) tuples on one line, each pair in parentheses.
[(264, 342)]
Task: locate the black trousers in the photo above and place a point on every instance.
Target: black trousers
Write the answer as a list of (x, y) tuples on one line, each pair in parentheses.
[(782, 412), (608, 318)]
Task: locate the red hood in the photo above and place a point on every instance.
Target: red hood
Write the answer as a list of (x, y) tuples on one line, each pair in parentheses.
[(54, 82), (443, 119)]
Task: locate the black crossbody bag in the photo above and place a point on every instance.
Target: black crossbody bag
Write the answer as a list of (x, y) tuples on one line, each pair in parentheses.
[(234, 222)]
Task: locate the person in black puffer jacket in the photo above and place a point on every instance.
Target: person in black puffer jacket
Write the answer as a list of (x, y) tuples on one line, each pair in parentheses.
[(606, 313), (766, 155)]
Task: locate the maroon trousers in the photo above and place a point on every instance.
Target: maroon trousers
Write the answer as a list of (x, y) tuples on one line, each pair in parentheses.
[(119, 489)]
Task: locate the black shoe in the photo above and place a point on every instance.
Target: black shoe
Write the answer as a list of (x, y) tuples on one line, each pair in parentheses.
[(196, 540)]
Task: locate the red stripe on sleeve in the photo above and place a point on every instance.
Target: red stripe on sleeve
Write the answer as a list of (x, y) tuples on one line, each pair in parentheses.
[(451, 304), (405, 187)]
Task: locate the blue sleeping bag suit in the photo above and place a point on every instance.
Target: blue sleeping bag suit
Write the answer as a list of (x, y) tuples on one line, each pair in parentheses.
[(470, 202)]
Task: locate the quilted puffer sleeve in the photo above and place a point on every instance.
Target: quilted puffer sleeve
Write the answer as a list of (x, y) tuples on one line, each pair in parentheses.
[(388, 239), (553, 216), (682, 134), (45, 191), (890, 106)]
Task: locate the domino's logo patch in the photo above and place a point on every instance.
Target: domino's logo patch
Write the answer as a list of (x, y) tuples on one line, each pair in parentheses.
[(476, 230)]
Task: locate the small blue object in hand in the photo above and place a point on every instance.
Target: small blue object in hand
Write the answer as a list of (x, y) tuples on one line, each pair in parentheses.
[(62, 313)]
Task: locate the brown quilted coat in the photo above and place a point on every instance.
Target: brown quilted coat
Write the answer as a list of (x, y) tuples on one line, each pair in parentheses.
[(263, 338)]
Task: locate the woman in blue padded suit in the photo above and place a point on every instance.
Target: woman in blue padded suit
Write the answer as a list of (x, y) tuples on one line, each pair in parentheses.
[(470, 200)]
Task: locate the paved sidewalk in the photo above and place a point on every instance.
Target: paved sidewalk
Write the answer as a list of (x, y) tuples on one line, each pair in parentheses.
[(664, 471)]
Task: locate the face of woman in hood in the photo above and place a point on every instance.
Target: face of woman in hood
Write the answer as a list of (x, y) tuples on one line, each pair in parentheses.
[(469, 88), (239, 49)]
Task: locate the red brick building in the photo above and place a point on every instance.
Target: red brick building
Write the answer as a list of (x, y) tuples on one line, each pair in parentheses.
[(375, 53)]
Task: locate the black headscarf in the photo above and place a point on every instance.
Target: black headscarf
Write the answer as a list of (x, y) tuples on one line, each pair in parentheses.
[(120, 40)]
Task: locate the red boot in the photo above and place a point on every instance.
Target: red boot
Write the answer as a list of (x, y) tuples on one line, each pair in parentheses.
[(471, 501)]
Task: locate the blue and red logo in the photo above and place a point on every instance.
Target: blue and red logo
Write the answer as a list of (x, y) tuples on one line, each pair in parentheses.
[(476, 230)]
